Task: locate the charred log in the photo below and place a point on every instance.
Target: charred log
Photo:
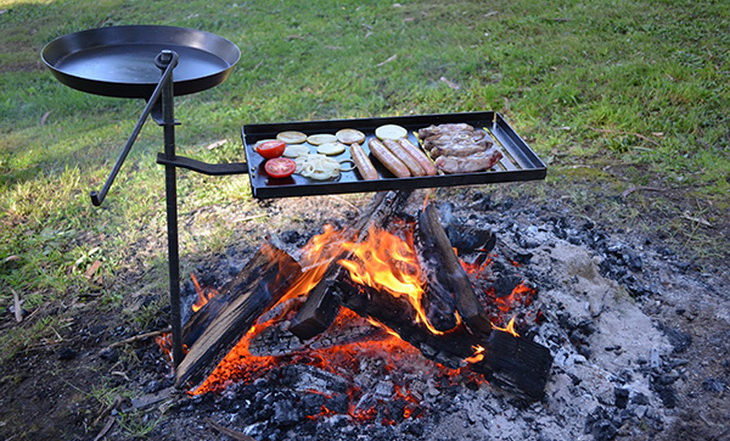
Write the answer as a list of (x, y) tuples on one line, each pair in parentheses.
[(517, 365), (323, 302), (449, 288), (262, 282), (398, 315)]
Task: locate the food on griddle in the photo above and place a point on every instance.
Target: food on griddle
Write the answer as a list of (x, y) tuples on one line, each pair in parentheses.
[(350, 136), (418, 155), (317, 167), (469, 164), (331, 148), (321, 138), (396, 149), (459, 148), (292, 137), (292, 151), (388, 159), (280, 167), (364, 166), (390, 131), (270, 148)]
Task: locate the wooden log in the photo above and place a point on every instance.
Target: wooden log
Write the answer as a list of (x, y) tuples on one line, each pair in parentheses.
[(517, 365), (449, 287), (262, 282), (398, 315), (323, 301)]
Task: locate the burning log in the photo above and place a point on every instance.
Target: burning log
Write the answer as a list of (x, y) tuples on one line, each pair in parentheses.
[(259, 286), (448, 287), (323, 302), (398, 315)]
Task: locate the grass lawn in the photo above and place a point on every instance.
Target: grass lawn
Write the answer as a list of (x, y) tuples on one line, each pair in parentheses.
[(627, 101)]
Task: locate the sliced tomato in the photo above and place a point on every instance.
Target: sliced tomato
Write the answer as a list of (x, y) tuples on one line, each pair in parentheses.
[(271, 149), (280, 167)]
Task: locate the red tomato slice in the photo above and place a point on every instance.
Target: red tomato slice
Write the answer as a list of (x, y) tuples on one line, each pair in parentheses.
[(280, 167), (271, 149)]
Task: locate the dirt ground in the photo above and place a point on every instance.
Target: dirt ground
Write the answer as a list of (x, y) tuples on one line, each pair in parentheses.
[(76, 389)]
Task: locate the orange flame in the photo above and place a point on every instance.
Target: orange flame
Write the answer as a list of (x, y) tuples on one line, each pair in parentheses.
[(478, 355), (388, 263), (510, 328), (203, 295)]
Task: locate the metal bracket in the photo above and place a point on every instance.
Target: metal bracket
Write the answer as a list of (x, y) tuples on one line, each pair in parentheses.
[(233, 168)]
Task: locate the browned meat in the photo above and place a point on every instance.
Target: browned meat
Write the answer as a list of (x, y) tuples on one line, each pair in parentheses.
[(468, 164), (443, 128), (457, 145), (459, 148)]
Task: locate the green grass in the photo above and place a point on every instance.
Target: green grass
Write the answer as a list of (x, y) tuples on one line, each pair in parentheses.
[(641, 86)]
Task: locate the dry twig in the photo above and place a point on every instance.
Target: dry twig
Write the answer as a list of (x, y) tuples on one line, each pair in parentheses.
[(17, 303), (139, 337), (619, 132), (642, 188), (107, 427), (229, 432), (393, 58)]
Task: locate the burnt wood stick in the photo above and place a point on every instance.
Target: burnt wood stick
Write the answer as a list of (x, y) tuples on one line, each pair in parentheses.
[(449, 276), (318, 311), (439, 295), (516, 365), (323, 301), (262, 282)]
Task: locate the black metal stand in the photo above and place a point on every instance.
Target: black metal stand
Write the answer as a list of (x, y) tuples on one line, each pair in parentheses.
[(161, 106)]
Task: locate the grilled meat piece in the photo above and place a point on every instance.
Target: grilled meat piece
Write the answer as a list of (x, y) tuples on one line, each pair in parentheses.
[(454, 140), (458, 145), (443, 128), (481, 161)]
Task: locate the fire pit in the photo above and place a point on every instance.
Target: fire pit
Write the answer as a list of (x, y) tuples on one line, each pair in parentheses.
[(401, 276)]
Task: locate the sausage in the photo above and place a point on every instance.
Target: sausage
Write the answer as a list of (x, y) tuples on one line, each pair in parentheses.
[(388, 159), (418, 155), (364, 166), (405, 158)]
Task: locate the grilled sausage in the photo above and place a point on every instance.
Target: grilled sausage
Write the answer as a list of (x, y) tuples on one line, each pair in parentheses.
[(405, 158), (364, 166), (388, 159), (418, 155)]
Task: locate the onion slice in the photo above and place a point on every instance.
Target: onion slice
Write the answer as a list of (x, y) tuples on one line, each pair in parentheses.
[(318, 167)]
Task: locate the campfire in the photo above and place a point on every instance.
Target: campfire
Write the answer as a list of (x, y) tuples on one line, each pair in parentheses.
[(391, 286)]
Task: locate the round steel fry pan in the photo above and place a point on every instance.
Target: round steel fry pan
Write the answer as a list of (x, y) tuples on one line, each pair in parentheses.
[(119, 61)]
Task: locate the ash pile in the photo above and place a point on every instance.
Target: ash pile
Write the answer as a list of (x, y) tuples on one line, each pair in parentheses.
[(618, 364)]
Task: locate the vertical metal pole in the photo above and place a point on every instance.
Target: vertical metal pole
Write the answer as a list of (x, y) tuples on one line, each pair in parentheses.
[(168, 123)]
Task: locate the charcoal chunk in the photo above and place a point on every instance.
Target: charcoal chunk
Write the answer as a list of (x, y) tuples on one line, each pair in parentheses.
[(621, 397), (714, 385)]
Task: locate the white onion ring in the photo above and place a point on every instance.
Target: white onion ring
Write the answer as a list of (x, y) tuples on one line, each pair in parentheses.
[(351, 168), (317, 167)]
